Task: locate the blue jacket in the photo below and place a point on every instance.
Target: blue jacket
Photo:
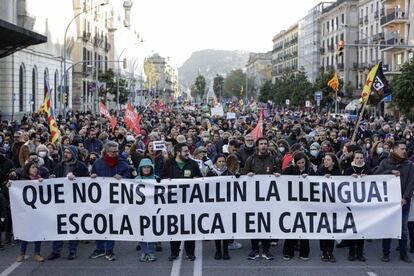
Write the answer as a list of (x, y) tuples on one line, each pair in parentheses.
[(94, 145), (102, 169)]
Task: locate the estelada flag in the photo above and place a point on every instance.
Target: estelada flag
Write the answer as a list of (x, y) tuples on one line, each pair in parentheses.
[(334, 82), (104, 112), (132, 119), (366, 91)]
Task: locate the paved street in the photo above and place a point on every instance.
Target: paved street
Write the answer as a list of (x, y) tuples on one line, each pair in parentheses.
[(128, 264)]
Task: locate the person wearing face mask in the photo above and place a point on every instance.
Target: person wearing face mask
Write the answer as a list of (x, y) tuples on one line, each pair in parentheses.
[(43, 152), (43, 171), (377, 154), (315, 155), (90, 160), (246, 150), (69, 167), (358, 168)]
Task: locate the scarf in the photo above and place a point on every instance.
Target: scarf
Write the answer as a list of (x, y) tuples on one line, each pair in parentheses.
[(358, 166), (396, 158), (110, 161), (218, 171)]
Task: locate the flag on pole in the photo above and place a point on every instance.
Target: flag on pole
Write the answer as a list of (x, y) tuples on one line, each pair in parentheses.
[(381, 88), (366, 91), (132, 119), (104, 112), (257, 132), (334, 82), (48, 109)]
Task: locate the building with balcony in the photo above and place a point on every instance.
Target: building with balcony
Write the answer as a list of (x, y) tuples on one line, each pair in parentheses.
[(309, 47), (23, 68), (285, 52), (397, 20), (370, 32), (166, 87), (258, 71), (339, 22)]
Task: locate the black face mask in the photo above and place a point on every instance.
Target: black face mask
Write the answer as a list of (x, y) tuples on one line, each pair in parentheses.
[(120, 136), (92, 160)]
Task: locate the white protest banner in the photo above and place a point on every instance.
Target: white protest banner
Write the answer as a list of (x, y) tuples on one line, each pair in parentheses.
[(261, 207), (217, 111), (158, 145), (231, 115)]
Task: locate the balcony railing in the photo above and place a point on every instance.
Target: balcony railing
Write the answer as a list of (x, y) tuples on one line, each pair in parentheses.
[(376, 14), (361, 21), (393, 15), (366, 19), (322, 50)]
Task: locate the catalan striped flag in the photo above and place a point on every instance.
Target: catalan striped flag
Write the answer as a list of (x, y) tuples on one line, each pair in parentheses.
[(48, 109)]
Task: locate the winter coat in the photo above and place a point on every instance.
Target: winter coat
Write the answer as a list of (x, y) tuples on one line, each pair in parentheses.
[(244, 153), (145, 162), (262, 164), (358, 170), (79, 169), (93, 145), (102, 169), (406, 169), (190, 169), (294, 170), (324, 171), (5, 167)]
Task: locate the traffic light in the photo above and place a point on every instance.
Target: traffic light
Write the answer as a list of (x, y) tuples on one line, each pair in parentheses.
[(65, 98), (341, 48)]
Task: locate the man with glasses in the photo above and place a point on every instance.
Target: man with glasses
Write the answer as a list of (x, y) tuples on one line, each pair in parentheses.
[(110, 165), (181, 166)]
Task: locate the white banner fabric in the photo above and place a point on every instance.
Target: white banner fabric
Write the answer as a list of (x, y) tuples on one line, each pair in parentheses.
[(256, 207)]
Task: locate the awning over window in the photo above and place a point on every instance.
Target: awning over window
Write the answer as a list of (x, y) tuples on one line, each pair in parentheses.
[(14, 38)]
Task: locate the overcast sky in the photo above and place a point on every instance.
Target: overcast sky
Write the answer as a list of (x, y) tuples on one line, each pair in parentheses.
[(176, 28)]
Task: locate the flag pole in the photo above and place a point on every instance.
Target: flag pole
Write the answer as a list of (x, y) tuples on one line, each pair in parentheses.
[(361, 115)]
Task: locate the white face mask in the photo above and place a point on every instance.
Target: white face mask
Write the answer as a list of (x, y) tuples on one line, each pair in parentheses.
[(42, 154), (380, 150), (314, 153), (282, 149)]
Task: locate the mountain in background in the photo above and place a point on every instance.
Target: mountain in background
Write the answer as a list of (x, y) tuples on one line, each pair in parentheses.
[(210, 63)]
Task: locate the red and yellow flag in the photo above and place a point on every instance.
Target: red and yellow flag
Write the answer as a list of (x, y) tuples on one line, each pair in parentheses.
[(48, 109), (334, 82)]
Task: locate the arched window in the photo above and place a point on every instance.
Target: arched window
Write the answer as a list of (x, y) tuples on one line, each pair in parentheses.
[(34, 88), (55, 89), (21, 88)]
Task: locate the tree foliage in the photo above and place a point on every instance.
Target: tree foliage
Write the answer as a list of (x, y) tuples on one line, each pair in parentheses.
[(403, 90), (234, 82), (198, 89), (110, 81), (218, 85), (292, 86)]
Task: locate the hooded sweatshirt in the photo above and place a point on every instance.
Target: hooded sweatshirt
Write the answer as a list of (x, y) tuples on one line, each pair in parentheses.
[(145, 162)]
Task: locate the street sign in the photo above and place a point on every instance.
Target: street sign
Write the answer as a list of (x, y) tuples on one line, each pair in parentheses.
[(287, 102), (388, 99), (307, 104), (318, 95)]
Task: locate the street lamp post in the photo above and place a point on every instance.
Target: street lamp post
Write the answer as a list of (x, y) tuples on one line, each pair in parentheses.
[(64, 44)]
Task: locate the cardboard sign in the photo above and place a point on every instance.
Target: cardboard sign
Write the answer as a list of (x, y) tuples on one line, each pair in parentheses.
[(159, 145)]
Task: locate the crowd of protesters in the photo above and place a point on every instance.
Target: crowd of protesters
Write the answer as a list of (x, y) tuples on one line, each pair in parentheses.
[(294, 142)]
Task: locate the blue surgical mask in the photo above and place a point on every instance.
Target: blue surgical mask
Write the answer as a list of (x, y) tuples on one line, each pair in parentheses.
[(380, 150), (314, 153)]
